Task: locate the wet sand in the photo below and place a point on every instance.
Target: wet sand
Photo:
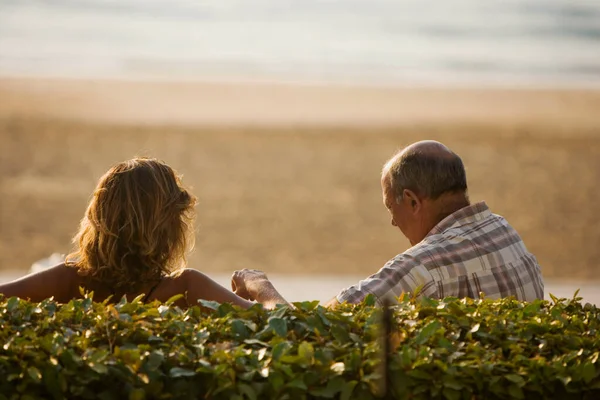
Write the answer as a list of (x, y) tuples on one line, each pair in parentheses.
[(243, 104)]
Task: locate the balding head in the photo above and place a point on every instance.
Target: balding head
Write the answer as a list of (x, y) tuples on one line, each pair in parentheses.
[(428, 168), (422, 185), (429, 147)]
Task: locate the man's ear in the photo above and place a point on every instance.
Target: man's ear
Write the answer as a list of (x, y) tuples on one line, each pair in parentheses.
[(412, 200)]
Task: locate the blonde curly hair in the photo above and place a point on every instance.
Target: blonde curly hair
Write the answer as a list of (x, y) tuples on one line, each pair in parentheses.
[(137, 228)]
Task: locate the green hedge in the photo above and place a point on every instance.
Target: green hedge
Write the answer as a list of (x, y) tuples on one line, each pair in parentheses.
[(449, 349)]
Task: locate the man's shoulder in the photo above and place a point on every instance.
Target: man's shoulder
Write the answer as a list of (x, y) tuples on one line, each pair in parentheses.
[(418, 250), (414, 256), (478, 228)]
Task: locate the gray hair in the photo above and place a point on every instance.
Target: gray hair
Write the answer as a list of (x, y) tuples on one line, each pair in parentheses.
[(427, 174)]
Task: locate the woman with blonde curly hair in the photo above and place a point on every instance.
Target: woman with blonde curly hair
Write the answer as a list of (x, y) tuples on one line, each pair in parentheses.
[(132, 240)]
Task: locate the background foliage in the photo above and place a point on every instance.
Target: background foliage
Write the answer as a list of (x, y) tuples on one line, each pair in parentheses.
[(441, 349)]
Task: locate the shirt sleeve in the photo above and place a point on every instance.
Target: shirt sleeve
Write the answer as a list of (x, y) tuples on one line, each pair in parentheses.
[(402, 274)]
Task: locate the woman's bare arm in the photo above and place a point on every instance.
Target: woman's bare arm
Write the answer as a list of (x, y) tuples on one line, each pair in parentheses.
[(57, 282), (200, 287), (60, 282)]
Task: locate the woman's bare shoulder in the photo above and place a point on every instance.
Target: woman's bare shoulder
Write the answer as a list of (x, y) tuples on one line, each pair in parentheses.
[(186, 277), (179, 283)]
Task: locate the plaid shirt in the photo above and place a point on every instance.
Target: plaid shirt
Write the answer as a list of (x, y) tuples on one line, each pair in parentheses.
[(468, 252)]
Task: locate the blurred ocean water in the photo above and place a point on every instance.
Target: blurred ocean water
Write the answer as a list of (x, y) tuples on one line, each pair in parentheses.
[(537, 42), (324, 287)]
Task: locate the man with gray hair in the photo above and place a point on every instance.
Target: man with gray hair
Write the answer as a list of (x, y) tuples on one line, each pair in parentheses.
[(458, 249)]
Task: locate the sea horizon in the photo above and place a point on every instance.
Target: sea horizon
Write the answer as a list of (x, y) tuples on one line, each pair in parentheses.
[(530, 43), (305, 82)]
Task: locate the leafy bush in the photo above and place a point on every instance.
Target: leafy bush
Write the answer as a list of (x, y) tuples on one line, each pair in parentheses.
[(448, 349)]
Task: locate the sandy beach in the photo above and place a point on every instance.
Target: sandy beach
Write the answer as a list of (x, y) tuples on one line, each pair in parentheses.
[(572, 112), (287, 176)]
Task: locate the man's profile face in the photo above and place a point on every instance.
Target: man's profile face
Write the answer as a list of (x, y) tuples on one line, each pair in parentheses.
[(390, 203), (404, 216)]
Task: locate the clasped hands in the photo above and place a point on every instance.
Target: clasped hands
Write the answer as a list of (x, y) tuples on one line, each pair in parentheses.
[(249, 283)]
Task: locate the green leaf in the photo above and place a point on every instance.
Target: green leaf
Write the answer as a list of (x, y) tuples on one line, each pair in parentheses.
[(297, 383), (307, 305), (12, 304), (347, 390), (247, 391), (532, 308), (153, 338), (334, 386), (516, 379), (35, 374), (428, 331), (355, 338), (515, 391), (53, 383), (291, 359), (564, 379), (450, 382), (419, 374), (239, 329), (324, 319), (98, 356), (225, 309), (276, 380), (588, 372), (211, 305), (287, 370), (278, 325), (451, 394), (174, 299), (340, 334), (428, 304), (99, 368), (280, 349), (280, 311), (177, 372), (137, 299), (137, 394), (154, 360), (369, 300), (306, 351), (256, 342), (372, 377)]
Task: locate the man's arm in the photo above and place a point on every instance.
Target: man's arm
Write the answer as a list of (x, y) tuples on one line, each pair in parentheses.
[(254, 285), (402, 274)]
